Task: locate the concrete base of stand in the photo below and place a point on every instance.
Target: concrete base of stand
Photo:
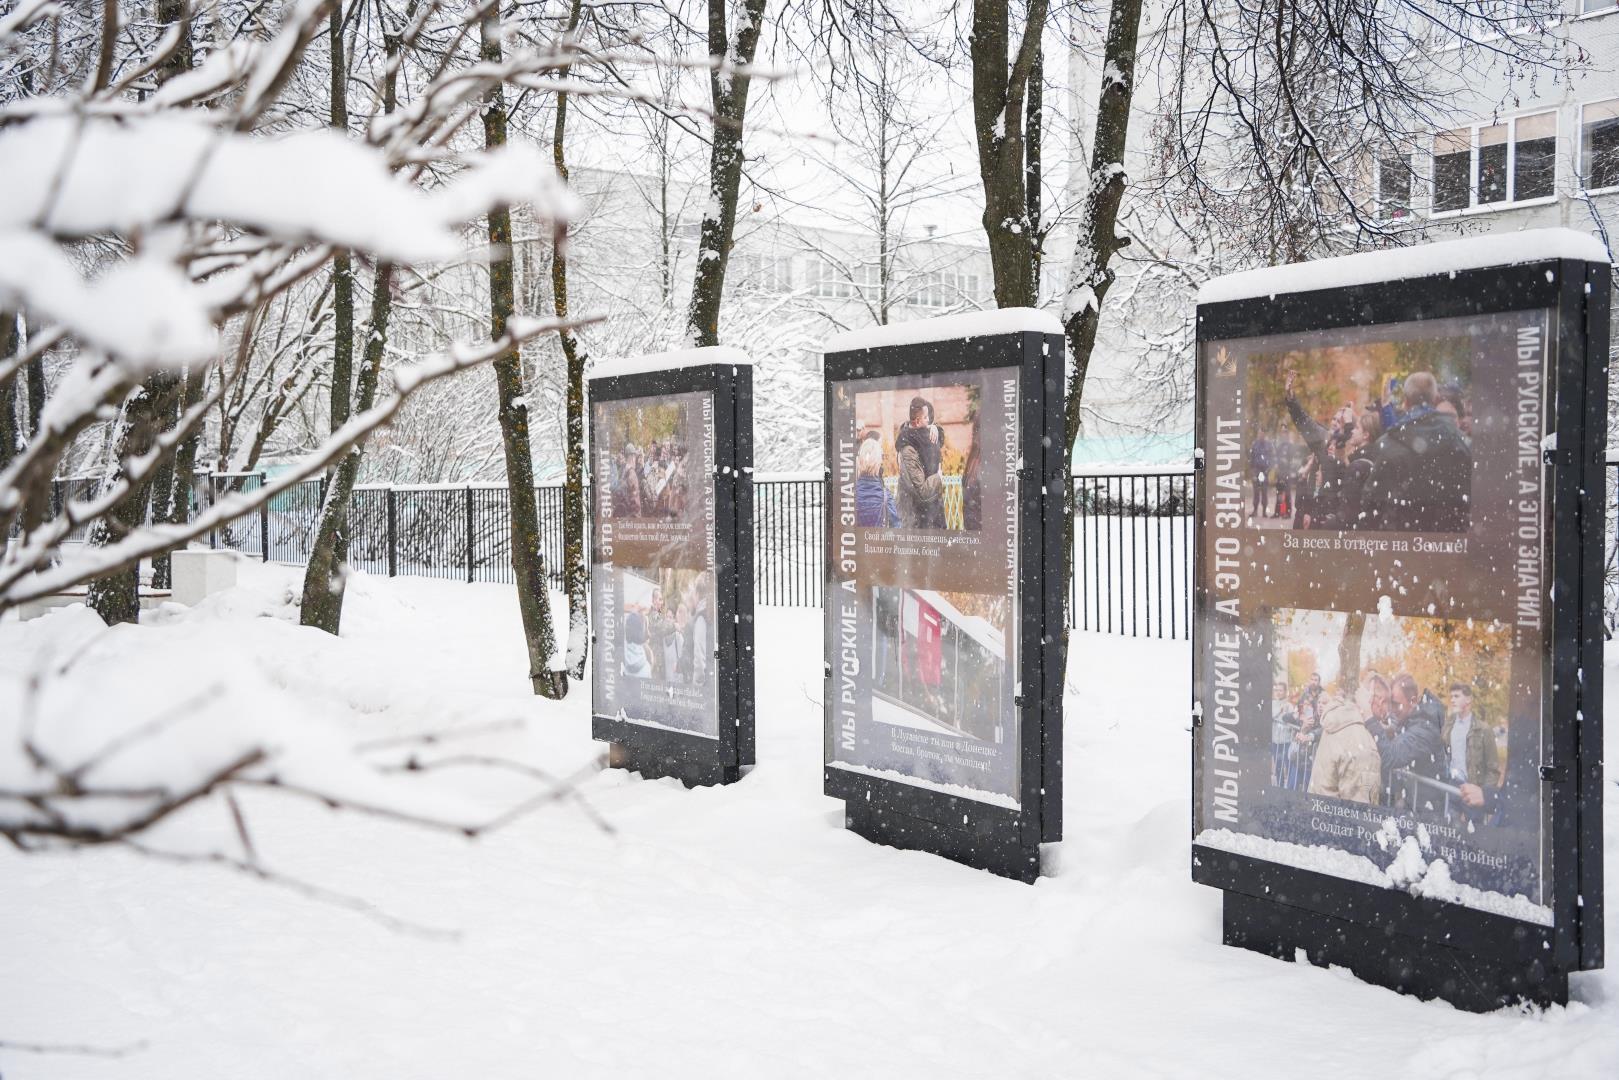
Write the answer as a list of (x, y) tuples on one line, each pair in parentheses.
[(199, 574), (1398, 961), (653, 764), (997, 850)]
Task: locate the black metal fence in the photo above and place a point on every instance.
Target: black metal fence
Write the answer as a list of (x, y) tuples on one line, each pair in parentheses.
[(1132, 571)]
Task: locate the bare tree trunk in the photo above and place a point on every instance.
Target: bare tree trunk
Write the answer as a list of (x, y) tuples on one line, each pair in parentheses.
[(528, 565), (575, 572), (114, 597), (342, 282), (171, 484), (154, 409), (324, 576), (9, 442), (1034, 121), (999, 93), (1098, 240), (728, 90), (175, 13), (1349, 653), (326, 572), (35, 375)]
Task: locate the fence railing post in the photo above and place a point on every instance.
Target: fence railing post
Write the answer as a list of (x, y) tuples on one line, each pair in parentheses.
[(469, 533), (208, 487), (393, 531), (264, 520)]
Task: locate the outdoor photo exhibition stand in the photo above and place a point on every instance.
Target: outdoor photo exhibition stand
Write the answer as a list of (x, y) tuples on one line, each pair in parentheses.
[(944, 593), (671, 563), (1397, 654)]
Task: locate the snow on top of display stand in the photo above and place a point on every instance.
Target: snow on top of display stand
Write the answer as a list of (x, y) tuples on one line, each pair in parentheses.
[(958, 790), (968, 324), (1437, 884), (1396, 264), (668, 361)]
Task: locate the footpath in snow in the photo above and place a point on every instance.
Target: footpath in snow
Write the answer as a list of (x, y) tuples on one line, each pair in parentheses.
[(714, 932)]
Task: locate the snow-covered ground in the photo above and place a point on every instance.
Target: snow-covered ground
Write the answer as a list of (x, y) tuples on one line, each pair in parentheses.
[(720, 932)]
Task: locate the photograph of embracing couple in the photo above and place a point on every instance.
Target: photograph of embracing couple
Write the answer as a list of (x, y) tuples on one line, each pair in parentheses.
[(1409, 713), (918, 462)]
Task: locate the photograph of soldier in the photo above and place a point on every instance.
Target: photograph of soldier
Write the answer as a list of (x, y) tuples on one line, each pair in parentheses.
[(649, 479), (918, 463), (668, 619), (1375, 436), (939, 661), (1401, 711)]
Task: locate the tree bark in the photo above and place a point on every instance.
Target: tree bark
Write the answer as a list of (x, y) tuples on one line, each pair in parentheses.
[(171, 483), (175, 13), (324, 576), (999, 95), (1092, 273), (575, 571), (1349, 653), (153, 410), (342, 278), (9, 427), (114, 597), (728, 90), (528, 564)]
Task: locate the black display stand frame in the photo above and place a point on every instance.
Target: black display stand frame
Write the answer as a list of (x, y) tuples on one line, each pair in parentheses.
[(982, 835), (655, 752), (1475, 960)]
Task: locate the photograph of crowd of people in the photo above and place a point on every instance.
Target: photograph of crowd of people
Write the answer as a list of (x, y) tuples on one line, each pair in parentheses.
[(668, 626), (938, 661), (1373, 436), (1406, 712), (918, 462), (649, 461)]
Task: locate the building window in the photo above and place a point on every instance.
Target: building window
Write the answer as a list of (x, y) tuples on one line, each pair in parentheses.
[(1599, 145), (1512, 161), (1452, 166), (768, 274), (1534, 157), (1393, 187), (1594, 7), (827, 281)]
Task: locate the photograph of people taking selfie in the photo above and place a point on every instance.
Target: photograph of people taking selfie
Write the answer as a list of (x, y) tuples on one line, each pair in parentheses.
[(1374, 436), (667, 620), (1405, 712), (649, 462), (918, 462), (939, 661)]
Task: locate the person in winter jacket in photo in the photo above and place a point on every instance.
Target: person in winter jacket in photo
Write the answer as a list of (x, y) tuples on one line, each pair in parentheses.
[(1414, 742), (874, 506), (1422, 468), (1347, 765), (921, 486)]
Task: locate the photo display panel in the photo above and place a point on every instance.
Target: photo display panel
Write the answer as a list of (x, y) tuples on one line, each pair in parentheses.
[(652, 596), (1374, 688), (922, 599)]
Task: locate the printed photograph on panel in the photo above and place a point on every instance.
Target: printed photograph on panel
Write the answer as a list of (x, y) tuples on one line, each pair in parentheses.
[(650, 474), (1376, 436), (920, 463), (1408, 713)]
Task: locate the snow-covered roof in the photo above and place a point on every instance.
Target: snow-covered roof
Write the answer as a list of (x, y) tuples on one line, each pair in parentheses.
[(1396, 264), (967, 324), (668, 361)]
